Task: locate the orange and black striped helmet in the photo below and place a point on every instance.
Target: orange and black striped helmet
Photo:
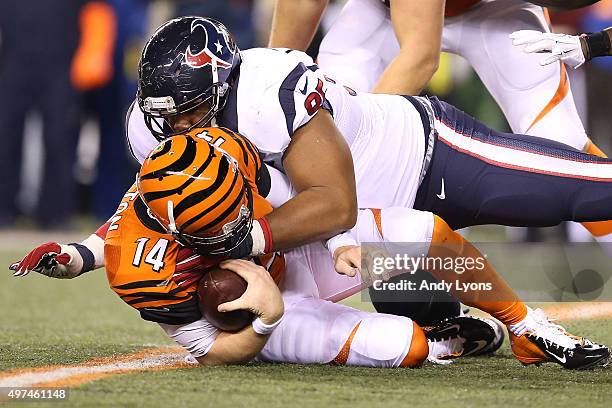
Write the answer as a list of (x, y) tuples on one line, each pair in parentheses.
[(198, 194)]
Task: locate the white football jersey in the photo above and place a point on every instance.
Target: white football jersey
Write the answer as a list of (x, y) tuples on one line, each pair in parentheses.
[(280, 90)]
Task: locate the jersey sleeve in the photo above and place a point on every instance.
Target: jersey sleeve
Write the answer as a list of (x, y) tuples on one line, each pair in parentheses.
[(140, 139), (301, 95), (197, 337), (270, 109)]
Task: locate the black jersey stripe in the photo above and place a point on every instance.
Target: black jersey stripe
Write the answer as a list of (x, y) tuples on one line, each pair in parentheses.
[(154, 297), (141, 284)]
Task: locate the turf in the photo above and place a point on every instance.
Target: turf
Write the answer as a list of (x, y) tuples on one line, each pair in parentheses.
[(46, 321)]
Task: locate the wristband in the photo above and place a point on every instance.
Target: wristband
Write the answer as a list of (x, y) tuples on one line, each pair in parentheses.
[(598, 44), (89, 260), (340, 240), (262, 237), (260, 327)]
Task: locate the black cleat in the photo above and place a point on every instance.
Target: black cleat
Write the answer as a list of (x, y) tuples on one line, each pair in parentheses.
[(463, 336)]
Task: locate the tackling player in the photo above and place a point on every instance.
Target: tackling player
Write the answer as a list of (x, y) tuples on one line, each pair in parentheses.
[(392, 46)]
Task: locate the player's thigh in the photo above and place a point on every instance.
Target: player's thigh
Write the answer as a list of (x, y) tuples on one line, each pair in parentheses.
[(318, 331), (535, 99), (310, 271), (481, 176), (352, 51)]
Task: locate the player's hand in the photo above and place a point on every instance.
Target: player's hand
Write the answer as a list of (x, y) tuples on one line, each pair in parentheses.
[(557, 47), (50, 259), (262, 297), (347, 260)]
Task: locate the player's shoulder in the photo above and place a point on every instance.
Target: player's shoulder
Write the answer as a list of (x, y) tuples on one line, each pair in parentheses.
[(265, 69)]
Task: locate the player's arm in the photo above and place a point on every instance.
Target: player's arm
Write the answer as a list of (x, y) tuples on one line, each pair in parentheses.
[(319, 165), (262, 297), (573, 50), (295, 23), (418, 27), (64, 261)]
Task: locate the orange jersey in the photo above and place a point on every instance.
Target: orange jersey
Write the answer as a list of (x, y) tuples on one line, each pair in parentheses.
[(453, 7), (140, 256)]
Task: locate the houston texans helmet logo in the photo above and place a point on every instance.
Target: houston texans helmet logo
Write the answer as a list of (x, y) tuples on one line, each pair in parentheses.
[(207, 56)]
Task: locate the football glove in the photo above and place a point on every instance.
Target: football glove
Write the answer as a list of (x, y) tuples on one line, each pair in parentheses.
[(56, 261), (557, 47)]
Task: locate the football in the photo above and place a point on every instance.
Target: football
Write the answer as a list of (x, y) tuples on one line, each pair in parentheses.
[(219, 286)]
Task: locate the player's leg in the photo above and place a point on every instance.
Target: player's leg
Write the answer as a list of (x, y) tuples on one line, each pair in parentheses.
[(536, 100), (359, 37), (481, 176), (527, 327), (315, 331)]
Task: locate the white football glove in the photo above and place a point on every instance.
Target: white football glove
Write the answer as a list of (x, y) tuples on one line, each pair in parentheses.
[(557, 47)]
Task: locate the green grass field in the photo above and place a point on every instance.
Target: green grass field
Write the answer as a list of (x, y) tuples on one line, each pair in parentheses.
[(47, 322)]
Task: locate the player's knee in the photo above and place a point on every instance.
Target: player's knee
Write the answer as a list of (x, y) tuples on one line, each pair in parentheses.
[(419, 348), (386, 341)]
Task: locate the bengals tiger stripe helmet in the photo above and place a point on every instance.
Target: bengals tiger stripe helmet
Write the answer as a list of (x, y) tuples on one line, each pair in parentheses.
[(198, 194)]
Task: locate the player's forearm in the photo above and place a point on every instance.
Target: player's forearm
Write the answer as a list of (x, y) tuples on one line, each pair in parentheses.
[(418, 27), (407, 74), (295, 22), (314, 214), (235, 348), (597, 44)]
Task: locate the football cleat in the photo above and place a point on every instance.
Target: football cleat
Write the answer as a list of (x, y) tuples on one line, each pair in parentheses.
[(462, 336), (542, 341)]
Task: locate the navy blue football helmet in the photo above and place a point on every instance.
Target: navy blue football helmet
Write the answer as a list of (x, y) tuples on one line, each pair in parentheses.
[(188, 63)]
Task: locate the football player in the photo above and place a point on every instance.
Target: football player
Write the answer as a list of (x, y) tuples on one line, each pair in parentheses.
[(388, 46), (205, 202), (189, 184), (573, 50)]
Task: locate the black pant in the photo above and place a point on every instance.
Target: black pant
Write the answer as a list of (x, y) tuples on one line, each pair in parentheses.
[(476, 177)]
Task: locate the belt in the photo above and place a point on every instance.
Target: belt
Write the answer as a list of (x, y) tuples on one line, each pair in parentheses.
[(426, 112)]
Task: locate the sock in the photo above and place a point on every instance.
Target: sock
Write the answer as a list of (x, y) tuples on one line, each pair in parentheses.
[(447, 243)]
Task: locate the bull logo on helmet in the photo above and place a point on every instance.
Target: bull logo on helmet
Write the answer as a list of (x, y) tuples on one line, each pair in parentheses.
[(206, 56)]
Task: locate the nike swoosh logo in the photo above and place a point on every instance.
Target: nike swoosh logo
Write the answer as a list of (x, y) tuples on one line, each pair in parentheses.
[(303, 91), (442, 194), (454, 328), (561, 359), (480, 344)]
